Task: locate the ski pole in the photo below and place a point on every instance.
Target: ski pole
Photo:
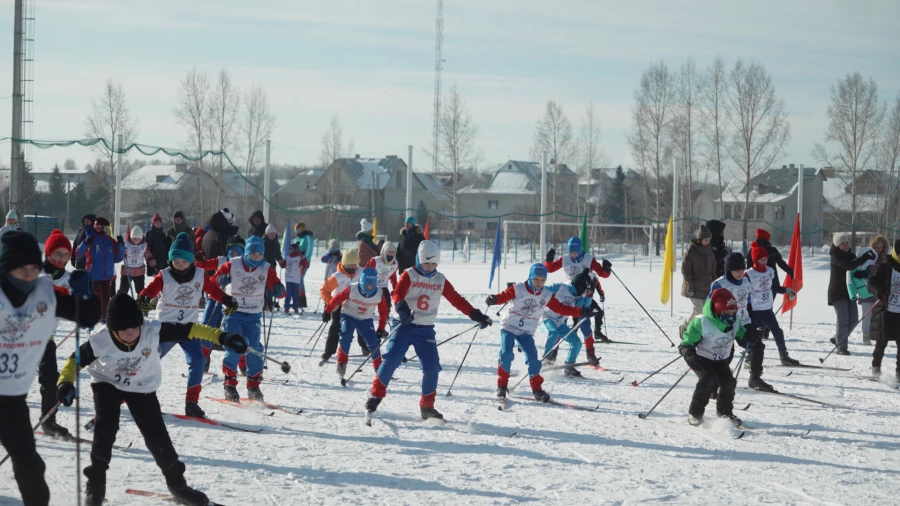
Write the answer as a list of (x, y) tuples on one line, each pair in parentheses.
[(463, 361), (311, 350), (574, 328), (642, 307), (40, 422), (285, 367), (67, 337), (501, 308), (268, 332), (77, 399), (314, 334), (643, 416), (836, 341), (345, 382), (405, 360), (737, 370), (317, 306), (605, 329), (654, 373)]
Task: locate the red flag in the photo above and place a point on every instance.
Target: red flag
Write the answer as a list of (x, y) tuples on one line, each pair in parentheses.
[(427, 229), (795, 260)]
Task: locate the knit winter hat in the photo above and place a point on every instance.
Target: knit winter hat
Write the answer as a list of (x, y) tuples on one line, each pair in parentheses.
[(229, 217), (56, 241), (233, 241), (839, 238), (411, 220), (12, 215), (103, 222), (300, 226), (735, 262), (181, 248), (388, 250), (123, 313), (18, 248), (156, 217), (350, 258), (703, 233), (716, 227), (582, 282), (137, 233), (722, 300), (270, 229), (335, 243), (574, 245), (536, 270), (757, 252), (178, 214), (365, 226), (763, 234)]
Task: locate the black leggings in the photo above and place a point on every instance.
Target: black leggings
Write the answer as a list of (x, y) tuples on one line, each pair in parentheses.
[(18, 440), (712, 374), (878, 354), (125, 285)]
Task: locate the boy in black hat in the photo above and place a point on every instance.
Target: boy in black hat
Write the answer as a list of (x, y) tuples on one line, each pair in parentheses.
[(29, 311), (124, 363)]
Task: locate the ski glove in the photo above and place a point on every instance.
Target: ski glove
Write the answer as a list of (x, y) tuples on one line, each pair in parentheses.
[(282, 263), (121, 241), (601, 296), (491, 300), (229, 305), (278, 290), (381, 334), (236, 343), (65, 393), (224, 280), (403, 312), (510, 284), (790, 293), (860, 275), (607, 265), (144, 304), (870, 255), (326, 317), (81, 284), (477, 316), (690, 356), (589, 312), (551, 255)]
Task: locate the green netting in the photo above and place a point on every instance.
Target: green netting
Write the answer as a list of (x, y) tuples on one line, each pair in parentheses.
[(148, 150)]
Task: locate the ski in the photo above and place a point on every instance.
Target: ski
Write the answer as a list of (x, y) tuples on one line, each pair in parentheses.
[(249, 407), (599, 368), (609, 341), (600, 380), (557, 403), (73, 439), (736, 432), (792, 396), (214, 423), (165, 497), (745, 408), (271, 406), (877, 379), (804, 366)]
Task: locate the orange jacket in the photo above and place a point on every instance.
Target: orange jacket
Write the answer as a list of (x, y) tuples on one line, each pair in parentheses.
[(331, 283)]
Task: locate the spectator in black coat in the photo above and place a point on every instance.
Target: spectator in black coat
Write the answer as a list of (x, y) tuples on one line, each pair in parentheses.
[(221, 228), (158, 243), (87, 222), (764, 239), (180, 226), (410, 237), (843, 260), (717, 245), (257, 224)]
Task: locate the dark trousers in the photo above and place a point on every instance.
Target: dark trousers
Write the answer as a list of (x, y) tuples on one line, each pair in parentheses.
[(147, 416), (102, 289), (766, 321), (712, 375), (598, 319), (880, 347), (756, 353), (18, 440), (334, 336), (48, 374), (124, 284)]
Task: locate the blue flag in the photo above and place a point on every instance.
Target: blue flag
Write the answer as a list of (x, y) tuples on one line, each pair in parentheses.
[(286, 240), (495, 260)]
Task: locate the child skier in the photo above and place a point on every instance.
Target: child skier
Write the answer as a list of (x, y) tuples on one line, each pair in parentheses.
[(212, 313), (296, 265), (386, 266), (358, 302), (416, 300), (706, 345), (180, 286), (763, 287), (332, 258), (249, 279), (572, 264), (30, 309), (580, 295), (133, 266), (124, 363), (529, 299), (347, 272)]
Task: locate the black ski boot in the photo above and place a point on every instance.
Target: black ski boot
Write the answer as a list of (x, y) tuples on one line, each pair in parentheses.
[(730, 417), (592, 357), (372, 404), (757, 383), (876, 371), (183, 494), (571, 372), (255, 394), (502, 392), (231, 393), (600, 337), (94, 493), (341, 370), (193, 409), (845, 353), (551, 358), (429, 413), (787, 360), (540, 395), (51, 428)]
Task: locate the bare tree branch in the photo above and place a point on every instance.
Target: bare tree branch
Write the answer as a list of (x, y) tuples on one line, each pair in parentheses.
[(458, 134), (222, 125), (192, 112), (257, 124), (553, 134)]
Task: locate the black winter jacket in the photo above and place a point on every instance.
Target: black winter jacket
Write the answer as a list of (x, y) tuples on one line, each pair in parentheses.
[(841, 262), (885, 324), (215, 242), (717, 245), (257, 230), (158, 243), (407, 247)]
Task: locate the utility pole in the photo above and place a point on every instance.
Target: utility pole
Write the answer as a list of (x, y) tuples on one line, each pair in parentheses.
[(118, 198), (267, 178), (409, 177), (438, 68), (16, 165)]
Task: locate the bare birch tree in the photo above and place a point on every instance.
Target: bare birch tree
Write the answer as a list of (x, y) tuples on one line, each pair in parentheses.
[(685, 131), (854, 119), (457, 142), (714, 124), (332, 143), (110, 117), (256, 126), (760, 123), (590, 155), (192, 112), (553, 134), (224, 107), (889, 161)]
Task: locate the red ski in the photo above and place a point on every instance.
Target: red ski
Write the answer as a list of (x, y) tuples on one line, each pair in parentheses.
[(270, 406), (213, 422), (255, 407)]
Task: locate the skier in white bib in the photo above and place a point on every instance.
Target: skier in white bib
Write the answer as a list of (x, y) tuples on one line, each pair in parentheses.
[(386, 265), (137, 258)]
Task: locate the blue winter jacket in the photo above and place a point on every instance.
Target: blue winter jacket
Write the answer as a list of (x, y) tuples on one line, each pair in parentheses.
[(102, 255)]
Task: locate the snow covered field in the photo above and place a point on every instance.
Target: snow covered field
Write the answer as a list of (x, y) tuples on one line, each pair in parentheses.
[(326, 455)]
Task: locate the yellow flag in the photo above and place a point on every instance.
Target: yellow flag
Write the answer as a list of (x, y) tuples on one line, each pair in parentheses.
[(668, 265), (375, 229)]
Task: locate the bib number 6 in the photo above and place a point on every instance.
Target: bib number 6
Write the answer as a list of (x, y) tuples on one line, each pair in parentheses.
[(423, 303)]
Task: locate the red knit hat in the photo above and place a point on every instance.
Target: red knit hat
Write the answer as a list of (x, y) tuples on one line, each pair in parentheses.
[(722, 300), (763, 234), (56, 241), (757, 252)]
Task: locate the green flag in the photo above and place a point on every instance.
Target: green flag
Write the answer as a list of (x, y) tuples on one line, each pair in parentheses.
[(584, 232)]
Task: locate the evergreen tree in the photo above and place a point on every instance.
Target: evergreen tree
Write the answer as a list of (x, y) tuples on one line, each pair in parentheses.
[(56, 198), (79, 205), (422, 214), (614, 209)]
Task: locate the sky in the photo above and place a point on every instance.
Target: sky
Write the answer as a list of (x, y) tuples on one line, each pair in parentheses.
[(371, 62)]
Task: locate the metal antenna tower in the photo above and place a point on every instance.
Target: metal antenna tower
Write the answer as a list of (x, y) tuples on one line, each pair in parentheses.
[(23, 93), (438, 67)]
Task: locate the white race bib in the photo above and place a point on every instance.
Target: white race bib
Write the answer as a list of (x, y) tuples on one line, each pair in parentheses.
[(179, 302), (24, 333), (137, 370)]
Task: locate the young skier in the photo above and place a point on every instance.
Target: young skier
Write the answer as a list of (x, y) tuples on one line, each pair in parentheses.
[(124, 363), (212, 313), (529, 300), (885, 327), (416, 300), (763, 287), (386, 266), (29, 312), (306, 242), (572, 264), (249, 279), (137, 259), (296, 265), (332, 258), (180, 286), (706, 345), (358, 302), (347, 272), (580, 295)]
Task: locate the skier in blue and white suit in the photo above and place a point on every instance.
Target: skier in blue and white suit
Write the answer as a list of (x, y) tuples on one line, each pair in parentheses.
[(578, 294)]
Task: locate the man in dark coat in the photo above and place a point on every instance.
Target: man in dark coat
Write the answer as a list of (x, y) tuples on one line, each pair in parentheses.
[(885, 325), (181, 225), (257, 224), (158, 243), (717, 245), (221, 228), (764, 239), (410, 237), (87, 222)]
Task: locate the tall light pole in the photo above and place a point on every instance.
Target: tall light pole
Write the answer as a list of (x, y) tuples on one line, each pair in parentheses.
[(16, 166)]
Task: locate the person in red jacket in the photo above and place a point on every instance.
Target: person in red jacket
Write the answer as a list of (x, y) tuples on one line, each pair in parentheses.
[(358, 303), (573, 263)]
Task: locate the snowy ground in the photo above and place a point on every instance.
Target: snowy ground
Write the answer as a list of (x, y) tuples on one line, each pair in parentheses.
[(326, 455)]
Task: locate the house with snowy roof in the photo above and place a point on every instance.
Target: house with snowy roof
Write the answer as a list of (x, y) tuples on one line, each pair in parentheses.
[(772, 204), (874, 188)]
